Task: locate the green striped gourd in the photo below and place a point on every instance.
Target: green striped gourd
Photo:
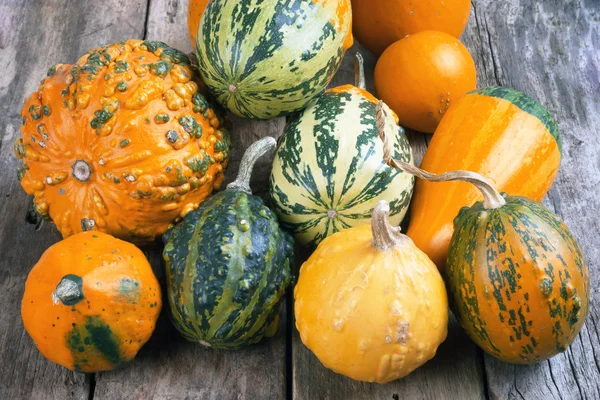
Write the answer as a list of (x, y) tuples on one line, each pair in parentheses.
[(517, 278), (228, 265), (328, 172), (266, 58)]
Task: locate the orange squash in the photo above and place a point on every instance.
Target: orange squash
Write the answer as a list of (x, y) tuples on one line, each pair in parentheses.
[(195, 10), (421, 75), (122, 142), (370, 304), (379, 23), (497, 132), (91, 302)]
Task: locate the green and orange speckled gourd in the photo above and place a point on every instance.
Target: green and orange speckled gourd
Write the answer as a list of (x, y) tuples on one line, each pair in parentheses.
[(121, 142), (517, 277), (228, 265)]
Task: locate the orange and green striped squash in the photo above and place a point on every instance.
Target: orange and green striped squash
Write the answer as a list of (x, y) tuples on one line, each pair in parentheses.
[(497, 132), (517, 279)]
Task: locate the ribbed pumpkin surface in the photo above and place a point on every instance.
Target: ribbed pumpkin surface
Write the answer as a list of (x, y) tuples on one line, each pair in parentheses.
[(227, 267)]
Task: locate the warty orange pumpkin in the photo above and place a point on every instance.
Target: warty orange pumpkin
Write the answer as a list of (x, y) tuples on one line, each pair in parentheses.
[(122, 142), (91, 302)]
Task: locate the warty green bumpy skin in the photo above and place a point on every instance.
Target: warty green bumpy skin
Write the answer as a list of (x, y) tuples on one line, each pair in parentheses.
[(228, 265), (265, 58), (493, 255)]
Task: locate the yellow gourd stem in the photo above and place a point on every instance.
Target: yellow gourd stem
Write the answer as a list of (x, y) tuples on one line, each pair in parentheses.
[(359, 71), (385, 236), (491, 197)]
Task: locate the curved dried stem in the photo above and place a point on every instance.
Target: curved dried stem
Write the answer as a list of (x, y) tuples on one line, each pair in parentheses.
[(491, 197)]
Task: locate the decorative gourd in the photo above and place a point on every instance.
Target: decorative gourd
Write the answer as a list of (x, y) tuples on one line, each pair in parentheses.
[(328, 172), (195, 10), (421, 75), (121, 142), (370, 304), (263, 59), (228, 265), (91, 302), (517, 277), (497, 132), (379, 23)]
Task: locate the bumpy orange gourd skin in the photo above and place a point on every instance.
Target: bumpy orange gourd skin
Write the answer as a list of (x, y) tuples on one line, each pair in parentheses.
[(372, 316), (117, 314), (379, 23), (195, 10), (490, 136), (152, 145), (421, 75)]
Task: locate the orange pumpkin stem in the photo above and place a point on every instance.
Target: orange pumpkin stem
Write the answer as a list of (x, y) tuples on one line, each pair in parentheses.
[(252, 154), (385, 236), (491, 197), (359, 71)]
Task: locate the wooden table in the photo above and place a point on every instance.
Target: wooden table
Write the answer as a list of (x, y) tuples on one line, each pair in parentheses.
[(549, 49)]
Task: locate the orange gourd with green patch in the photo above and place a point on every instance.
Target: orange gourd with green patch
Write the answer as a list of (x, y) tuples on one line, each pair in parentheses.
[(91, 302), (121, 142), (497, 132)]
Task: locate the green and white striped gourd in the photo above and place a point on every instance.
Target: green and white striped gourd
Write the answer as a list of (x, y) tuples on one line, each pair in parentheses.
[(265, 58), (328, 172), (228, 265)]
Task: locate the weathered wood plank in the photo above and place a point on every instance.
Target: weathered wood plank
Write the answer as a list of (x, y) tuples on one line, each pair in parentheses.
[(551, 51), (455, 372), (34, 36), (169, 366)]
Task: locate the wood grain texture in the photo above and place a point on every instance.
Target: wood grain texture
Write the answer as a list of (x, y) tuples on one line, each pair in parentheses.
[(551, 51), (33, 37), (454, 372), (170, 367)]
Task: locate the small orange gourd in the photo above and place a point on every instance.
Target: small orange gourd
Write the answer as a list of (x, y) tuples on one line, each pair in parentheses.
[(421, 75), (370, 304), (122, 142), (379, 23), (91, 302)]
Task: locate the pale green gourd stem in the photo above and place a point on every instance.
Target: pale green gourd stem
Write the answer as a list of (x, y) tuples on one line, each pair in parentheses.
[(491, 197), (252, 154), (359, 71)]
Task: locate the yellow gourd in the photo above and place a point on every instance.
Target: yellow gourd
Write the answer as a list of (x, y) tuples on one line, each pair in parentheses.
[(370, 304)]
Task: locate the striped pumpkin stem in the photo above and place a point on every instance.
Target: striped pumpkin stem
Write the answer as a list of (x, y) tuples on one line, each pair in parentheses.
[(491, 197), (359, 71), (385, 236), (252, 154)]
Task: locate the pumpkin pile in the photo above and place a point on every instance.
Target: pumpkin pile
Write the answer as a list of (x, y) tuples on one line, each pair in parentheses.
[(129, 143)]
